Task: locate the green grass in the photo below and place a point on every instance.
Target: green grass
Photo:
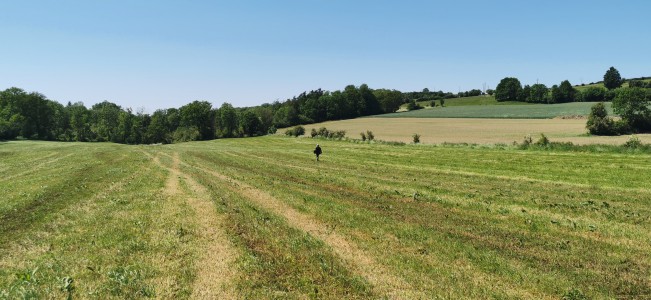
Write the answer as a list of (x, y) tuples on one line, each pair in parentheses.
[(448, 222), (531, 111)]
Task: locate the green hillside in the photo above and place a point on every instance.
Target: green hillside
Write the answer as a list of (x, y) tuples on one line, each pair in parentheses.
[(530, 111)]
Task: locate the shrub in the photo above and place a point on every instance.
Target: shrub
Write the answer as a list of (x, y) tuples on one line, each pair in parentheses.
[(363, 136), (598, 121), (633, 143), (543, 140), (325, 133), (413, 105), (432, 103), (369, 135), (296, 131), (272, 130), (313, 133), (442, 102), (416, 137)]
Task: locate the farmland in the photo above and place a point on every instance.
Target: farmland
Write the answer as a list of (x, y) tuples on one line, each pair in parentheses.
[(259, 218), (520, 111), (473, 131)]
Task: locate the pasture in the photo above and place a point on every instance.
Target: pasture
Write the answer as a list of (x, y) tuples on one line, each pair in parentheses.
[(520, 111), (258, 218)]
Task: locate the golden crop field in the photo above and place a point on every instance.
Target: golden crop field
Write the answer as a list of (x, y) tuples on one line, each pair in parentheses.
[(472, 131)]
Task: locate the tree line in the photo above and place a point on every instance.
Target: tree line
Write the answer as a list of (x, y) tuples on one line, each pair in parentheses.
[(33, 116), (510, 89)]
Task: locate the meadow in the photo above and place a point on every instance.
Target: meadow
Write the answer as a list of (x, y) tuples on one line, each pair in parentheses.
[(259, 218), (509, 111)]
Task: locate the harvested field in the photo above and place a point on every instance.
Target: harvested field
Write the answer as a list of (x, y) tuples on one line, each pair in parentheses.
[(472, 131)]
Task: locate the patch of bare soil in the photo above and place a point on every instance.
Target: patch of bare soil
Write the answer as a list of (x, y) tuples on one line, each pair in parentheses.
[(216, 255)]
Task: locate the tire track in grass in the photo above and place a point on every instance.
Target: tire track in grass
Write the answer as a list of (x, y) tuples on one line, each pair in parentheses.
[(38, 166), (216, 256), (378, 275)]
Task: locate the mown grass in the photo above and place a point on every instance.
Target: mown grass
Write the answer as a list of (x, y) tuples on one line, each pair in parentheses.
[(532, 111), (451, 221)]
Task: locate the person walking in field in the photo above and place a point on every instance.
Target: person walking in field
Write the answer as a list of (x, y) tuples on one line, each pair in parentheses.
[(317, 152)]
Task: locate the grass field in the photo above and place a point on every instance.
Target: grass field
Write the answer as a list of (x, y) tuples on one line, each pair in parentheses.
[(531, 111), (259, 218)]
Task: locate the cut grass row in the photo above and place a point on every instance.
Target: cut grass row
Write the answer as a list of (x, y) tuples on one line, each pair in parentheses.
[(445, 222)]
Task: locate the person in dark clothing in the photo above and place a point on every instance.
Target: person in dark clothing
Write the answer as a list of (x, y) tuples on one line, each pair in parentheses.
[(317, 152)]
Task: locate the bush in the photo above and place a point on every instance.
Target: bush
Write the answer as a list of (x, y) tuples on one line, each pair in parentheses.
[(416, 137), (633, 143), (432, 103), (543, 140), (313, 133), (442, 102), (369, 135), (296, 131), (272, 130), (598, 121), (413, 105), (325, 133), (363, 136)]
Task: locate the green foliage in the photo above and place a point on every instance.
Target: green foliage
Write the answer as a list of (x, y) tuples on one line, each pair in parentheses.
[(598, 121), (543, 141), (612, 79), (506, 111), (199, 114), (329, 134), (413, 106), (186, 134), (564, 93), (250, 123), (390, 100), (295, 131), (594, 94), (509, 89), (632, 105), (362, 134), (574, 294), (369, 135), (633, 143), (538, 93), (416, 138), (128, 283)]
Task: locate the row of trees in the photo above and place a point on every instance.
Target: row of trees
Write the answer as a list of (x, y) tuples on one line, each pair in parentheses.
[(510, 89), (33, 116)]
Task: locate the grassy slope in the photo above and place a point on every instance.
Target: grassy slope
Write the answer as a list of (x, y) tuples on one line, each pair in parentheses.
[(447, 222), (532, 111)]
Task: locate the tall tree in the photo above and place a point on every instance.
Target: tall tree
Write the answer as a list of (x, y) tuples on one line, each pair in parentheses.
[(198, 114), (538, 93), (371, 104), (390, 100), (508, 89), (612, 79), (228, 120), (632, 104), (105, 121), (564, 93), (250, 123)]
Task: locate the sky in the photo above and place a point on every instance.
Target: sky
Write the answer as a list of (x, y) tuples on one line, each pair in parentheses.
[(156, 54)]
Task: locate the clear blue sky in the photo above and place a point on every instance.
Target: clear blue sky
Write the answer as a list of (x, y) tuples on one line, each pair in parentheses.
[(160, 54)]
